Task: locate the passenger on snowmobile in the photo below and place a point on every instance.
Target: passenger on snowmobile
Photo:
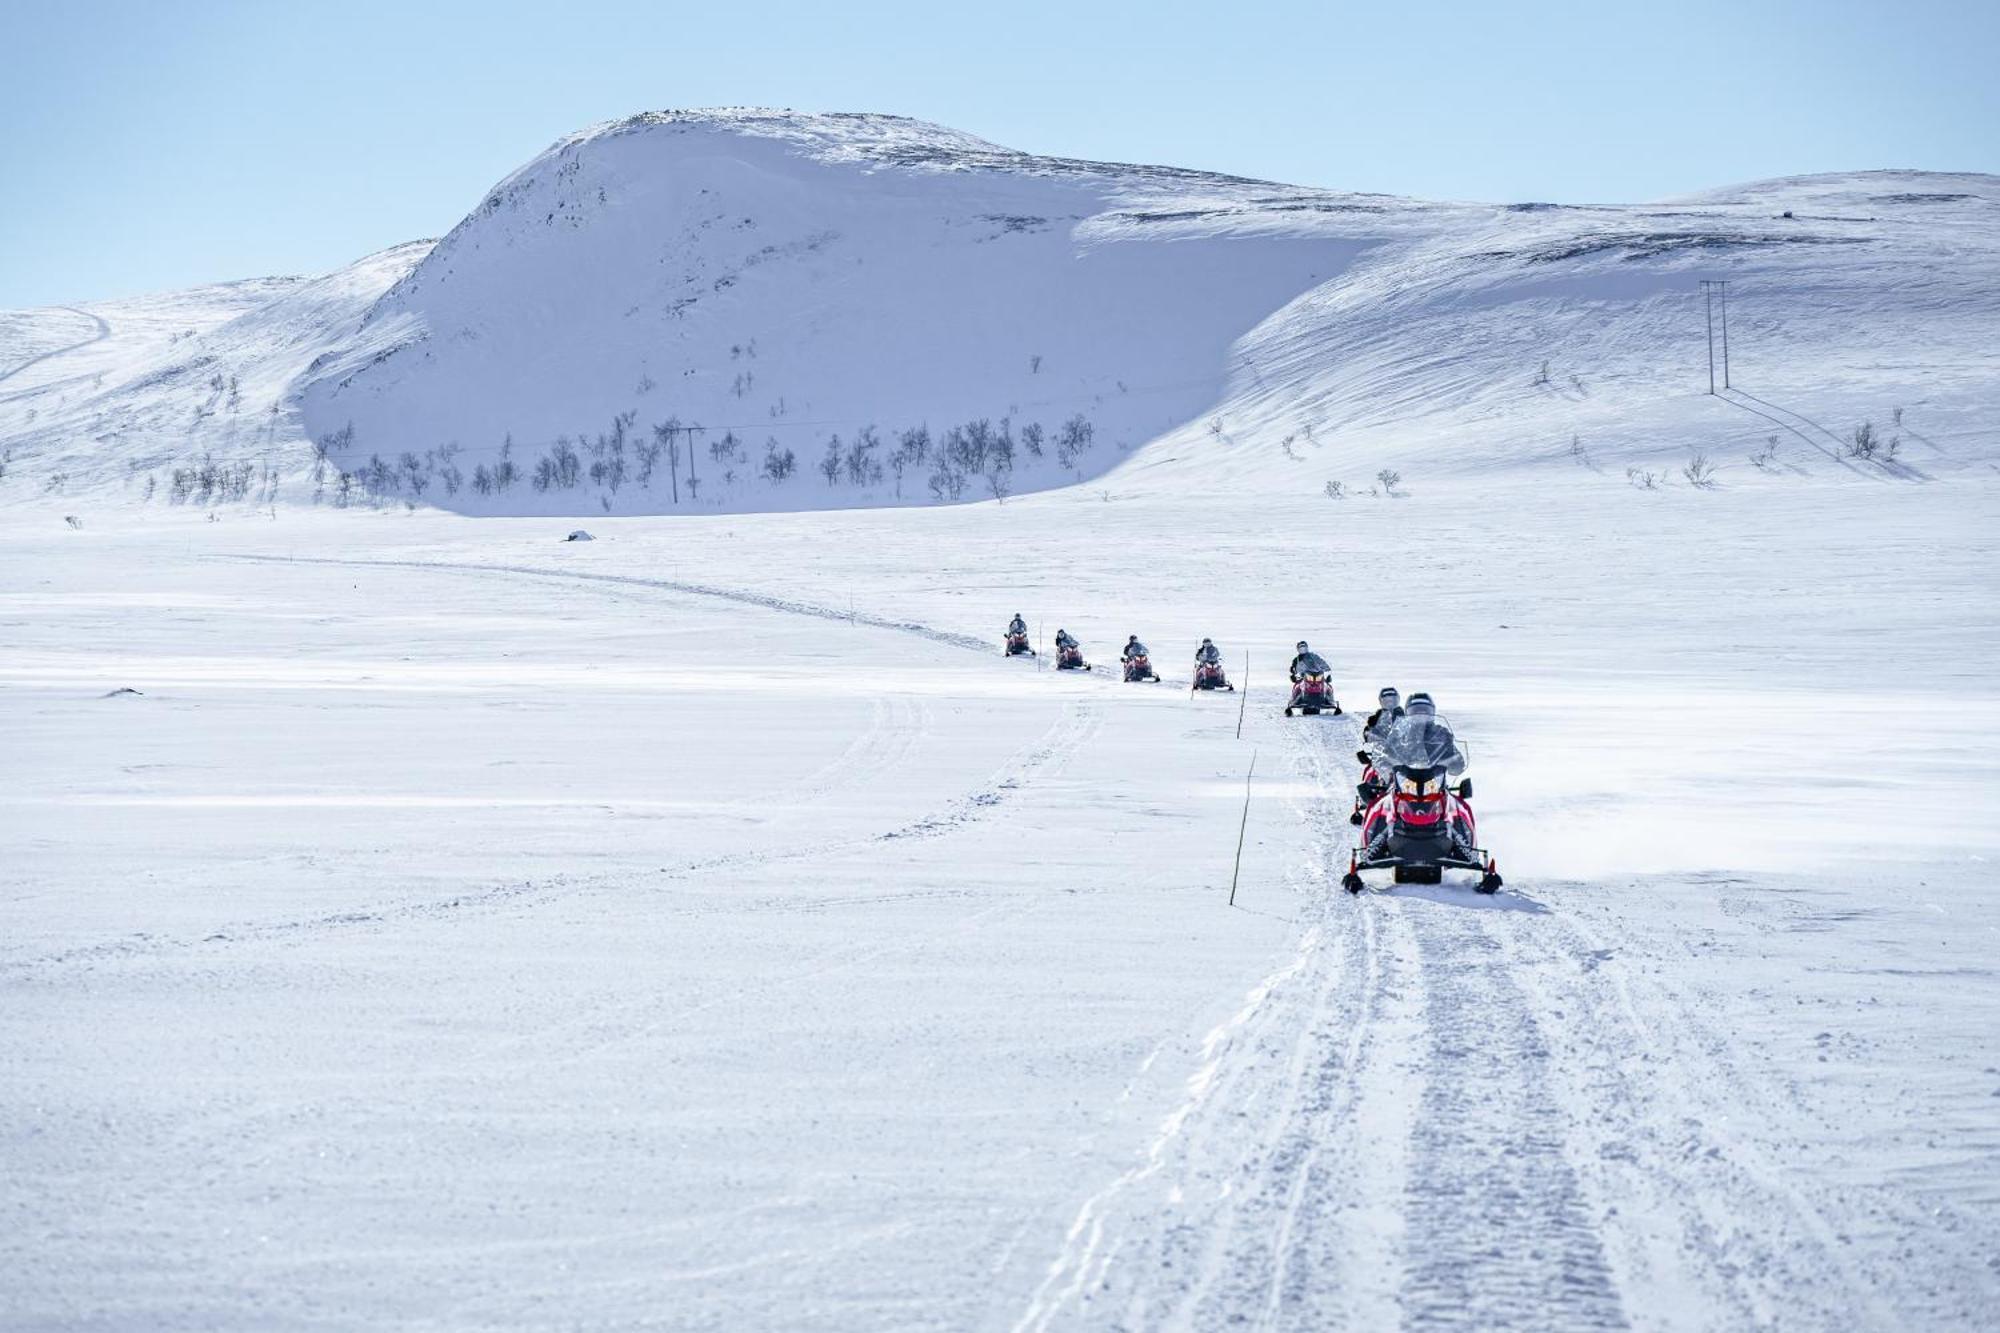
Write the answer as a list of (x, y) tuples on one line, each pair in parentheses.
[(1420, 825), (1369, 790), (1418, 739), (1208, 674), (1391, 708), (1312, 684), (1138, 662), (1017, 637)]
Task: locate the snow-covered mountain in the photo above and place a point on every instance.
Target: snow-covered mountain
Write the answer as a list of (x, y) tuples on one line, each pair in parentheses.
[(409, 918), (751, 310)]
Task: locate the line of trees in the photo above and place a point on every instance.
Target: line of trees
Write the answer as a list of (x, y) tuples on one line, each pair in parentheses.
[(975, 455)]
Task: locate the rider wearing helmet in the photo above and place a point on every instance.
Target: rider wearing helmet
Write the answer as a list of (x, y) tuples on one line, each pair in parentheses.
[(1017, 625), (1133, 648), (1391, 708), (1308, 661), (1208, 654), (1420, 739), (1064, 639)]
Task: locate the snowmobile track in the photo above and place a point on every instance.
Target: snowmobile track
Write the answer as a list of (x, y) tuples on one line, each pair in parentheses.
[(769, 603)]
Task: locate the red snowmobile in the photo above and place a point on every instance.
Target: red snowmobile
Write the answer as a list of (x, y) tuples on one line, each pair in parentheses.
[(1070, 658), (1017, 645), (1209, 676), (1368, 791), (1419, 829), (1312, 693), (1139, 667)]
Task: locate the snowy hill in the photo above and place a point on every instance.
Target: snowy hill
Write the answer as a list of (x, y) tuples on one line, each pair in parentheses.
[(752, 310)]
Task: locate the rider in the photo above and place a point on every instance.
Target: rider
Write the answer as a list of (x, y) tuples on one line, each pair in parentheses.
[(1065, 640), (1391, 708), (1016, 626), (1133, 648), (1208, 654), (1418, 739), (1308, 661)]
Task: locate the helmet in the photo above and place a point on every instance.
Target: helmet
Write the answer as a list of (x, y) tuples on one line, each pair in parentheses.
[(1421, 703), (1302, 645), (1389, 698), (1204, 642)]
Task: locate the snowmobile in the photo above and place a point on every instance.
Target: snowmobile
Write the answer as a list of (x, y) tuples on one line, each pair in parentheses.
[(1208, 676), (1071, 659), (1313, 693), (1368, 791), (1139, 667), (1017, 645), (1419, 829)]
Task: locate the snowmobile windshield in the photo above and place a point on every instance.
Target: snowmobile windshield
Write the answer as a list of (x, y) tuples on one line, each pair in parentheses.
[(1419, 742), (1313, 663)]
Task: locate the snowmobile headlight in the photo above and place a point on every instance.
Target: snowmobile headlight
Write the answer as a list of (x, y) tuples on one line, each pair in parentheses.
[(1409, 786)]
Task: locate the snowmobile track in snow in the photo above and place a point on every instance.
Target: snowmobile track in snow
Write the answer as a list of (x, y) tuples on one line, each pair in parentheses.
[(103, 332), (769, 603)]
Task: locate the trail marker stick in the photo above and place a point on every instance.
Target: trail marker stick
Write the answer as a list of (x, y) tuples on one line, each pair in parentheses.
[(1242, 828), (1243, 702)]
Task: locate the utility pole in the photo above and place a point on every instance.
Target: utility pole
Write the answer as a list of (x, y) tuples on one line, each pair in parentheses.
[(1717, 293), (1722, 290), (1708, 302)]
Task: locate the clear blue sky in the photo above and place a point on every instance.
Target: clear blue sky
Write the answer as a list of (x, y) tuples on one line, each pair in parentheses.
[(146, 146)]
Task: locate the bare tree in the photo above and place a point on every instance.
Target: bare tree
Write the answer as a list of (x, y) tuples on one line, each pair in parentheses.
[(778, 464)]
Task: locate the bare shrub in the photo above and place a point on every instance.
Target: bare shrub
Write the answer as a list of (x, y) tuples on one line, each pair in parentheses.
[(1700, 473), (1390, 479), (1073, 441), (778, 463), (1644, 478), (1335, 491)]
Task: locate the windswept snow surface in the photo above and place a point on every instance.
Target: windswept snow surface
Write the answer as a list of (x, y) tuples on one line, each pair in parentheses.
[(409, 918), (706, 926)]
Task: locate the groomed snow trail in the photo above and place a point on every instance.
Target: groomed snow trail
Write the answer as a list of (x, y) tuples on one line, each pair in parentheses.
[(1446, 1112)]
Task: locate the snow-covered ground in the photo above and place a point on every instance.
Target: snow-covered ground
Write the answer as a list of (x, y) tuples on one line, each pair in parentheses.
[(705, 927)]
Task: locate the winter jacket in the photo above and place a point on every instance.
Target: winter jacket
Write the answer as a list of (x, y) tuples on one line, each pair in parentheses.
[(1306, 663), (1380, 718)]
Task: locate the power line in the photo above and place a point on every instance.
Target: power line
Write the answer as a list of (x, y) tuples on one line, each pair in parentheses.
[(1714, 290)]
